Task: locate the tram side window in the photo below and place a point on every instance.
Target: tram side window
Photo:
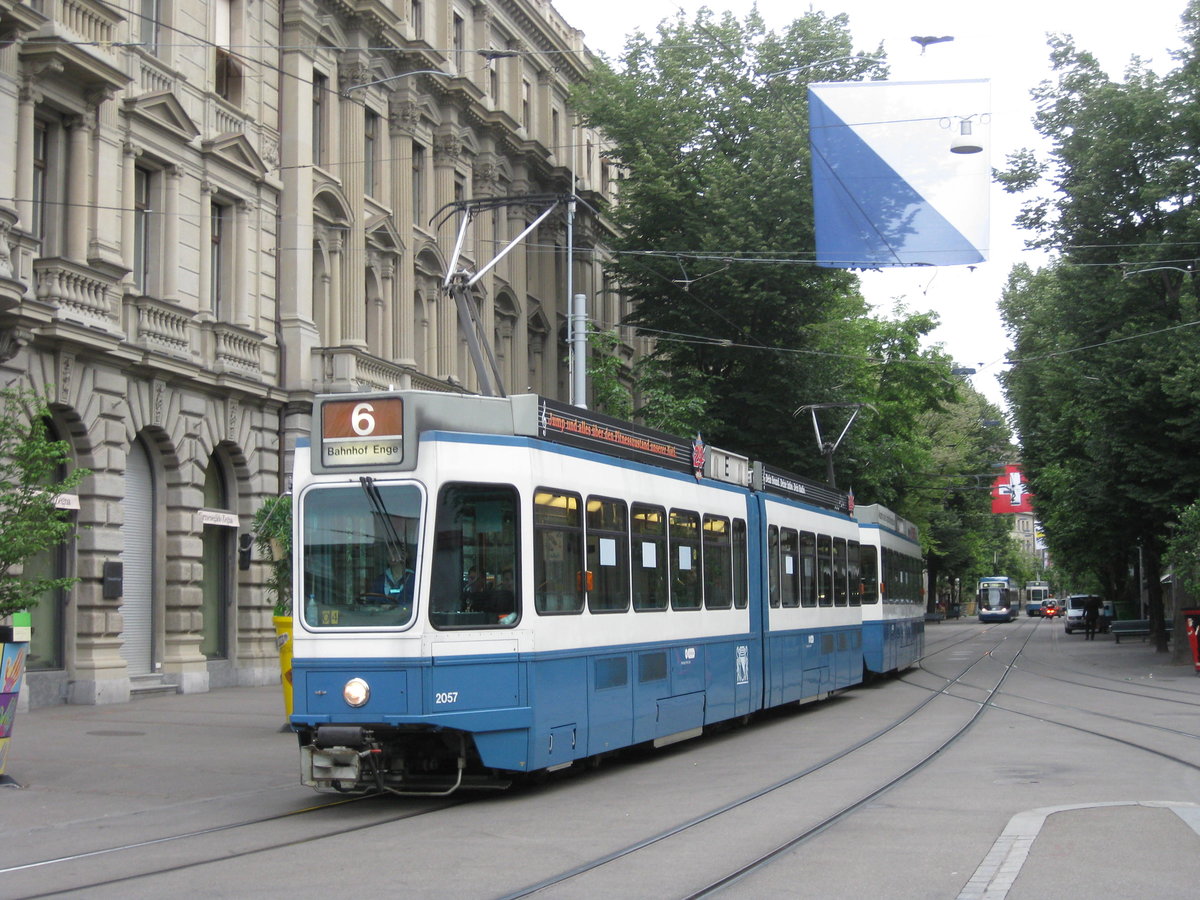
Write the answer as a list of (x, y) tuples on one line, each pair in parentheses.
[(891, 577), (808, 569), (773, 564), (741, 565), (854, 571), (718, 574), (607, 555), (887, 586), (839, 571), (684, 537), (558, 573), (649, 528), (869, 558), (789, 561), (824, 570), (473, 581)]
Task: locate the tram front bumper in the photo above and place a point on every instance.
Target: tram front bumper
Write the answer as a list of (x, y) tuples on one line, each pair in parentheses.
[(327, 767)]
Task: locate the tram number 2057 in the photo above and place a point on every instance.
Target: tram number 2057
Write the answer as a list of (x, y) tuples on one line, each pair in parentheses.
[(446, 697)]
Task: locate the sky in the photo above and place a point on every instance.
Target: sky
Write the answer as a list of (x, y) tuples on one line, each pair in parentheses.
[(1005, 44)]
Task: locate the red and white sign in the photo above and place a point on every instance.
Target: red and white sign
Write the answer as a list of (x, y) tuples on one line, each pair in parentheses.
[(1010, 493)]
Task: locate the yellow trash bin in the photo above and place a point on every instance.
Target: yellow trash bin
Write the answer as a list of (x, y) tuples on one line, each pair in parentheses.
[(283, 643)]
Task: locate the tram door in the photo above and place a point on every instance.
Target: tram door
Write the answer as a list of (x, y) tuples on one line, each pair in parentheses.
[(137, 558)]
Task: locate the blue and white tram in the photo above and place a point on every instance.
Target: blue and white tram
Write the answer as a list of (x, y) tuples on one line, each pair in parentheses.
[(489, 586), (893, 612)]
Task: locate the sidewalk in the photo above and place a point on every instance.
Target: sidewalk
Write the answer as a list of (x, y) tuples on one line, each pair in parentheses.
[(76, 763)]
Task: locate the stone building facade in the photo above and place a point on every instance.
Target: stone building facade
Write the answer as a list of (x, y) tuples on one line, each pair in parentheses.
[(211, 210)]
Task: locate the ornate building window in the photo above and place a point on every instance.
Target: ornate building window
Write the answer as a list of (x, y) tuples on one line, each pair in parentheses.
[(418, 20), (227, 72), (459, 37), (418, 183), (370, 152), (320, 105), (221, 259), (143, 231), (150, 14)]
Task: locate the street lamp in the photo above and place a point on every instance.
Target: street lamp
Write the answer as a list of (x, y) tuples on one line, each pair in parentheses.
[(355, 87)]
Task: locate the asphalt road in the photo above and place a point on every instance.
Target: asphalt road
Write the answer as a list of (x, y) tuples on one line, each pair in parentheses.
[(1015, 761)]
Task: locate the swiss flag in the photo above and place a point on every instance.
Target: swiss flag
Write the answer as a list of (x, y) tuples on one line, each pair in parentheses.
[(1010, 493)]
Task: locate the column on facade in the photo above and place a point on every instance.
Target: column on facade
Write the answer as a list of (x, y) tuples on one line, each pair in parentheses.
[(484, 183), (517, 265), (334, 298), (402, 120), (352, 310), (478, 32), (26, 107), (204, 302), (296, 238), (240, 279), (79, 140), (446, 147), (256, 235), (129, 157), (170, 233), (542, 106), (105, 200), (387, 289)]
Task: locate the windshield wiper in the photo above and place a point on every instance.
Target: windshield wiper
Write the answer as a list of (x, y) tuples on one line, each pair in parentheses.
[(397, 549)]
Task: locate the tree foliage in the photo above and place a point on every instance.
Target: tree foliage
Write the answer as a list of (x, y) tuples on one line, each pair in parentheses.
[(1106, 373), (272, 528), (715, 247), (32, 476)]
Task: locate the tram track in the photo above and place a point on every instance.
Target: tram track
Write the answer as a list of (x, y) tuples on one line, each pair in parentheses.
[(199, 834), (815, 829), (816, 806)]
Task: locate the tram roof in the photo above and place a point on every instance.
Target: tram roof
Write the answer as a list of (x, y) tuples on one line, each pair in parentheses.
[(344, 448)]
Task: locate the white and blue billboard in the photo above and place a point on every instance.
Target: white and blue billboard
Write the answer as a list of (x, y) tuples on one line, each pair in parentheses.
[(897, 176)]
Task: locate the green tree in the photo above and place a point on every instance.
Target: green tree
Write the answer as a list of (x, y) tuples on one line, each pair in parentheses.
[(715, 245), (31, 478), (1106, 373), (272, 529), (715, 227)]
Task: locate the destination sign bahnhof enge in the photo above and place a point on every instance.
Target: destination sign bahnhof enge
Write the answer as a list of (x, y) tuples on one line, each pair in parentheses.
[(362, 432)]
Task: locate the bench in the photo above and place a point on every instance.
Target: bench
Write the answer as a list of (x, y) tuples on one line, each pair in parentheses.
[(1133, 628)]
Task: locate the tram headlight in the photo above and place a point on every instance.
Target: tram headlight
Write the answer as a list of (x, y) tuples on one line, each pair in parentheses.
[(356, 692)]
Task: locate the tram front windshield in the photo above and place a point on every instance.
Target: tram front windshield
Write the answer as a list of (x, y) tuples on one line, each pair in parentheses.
[(994, 596), (360, 554)]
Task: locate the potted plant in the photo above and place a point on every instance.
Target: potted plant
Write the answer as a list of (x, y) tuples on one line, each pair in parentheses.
[(31, 480), (273, 538)]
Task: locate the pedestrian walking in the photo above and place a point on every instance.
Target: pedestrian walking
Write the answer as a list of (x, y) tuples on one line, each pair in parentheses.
[(1091, 615)]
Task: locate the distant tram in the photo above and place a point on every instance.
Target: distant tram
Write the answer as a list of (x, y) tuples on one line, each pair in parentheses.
[(1036, 592), (996, 599)]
